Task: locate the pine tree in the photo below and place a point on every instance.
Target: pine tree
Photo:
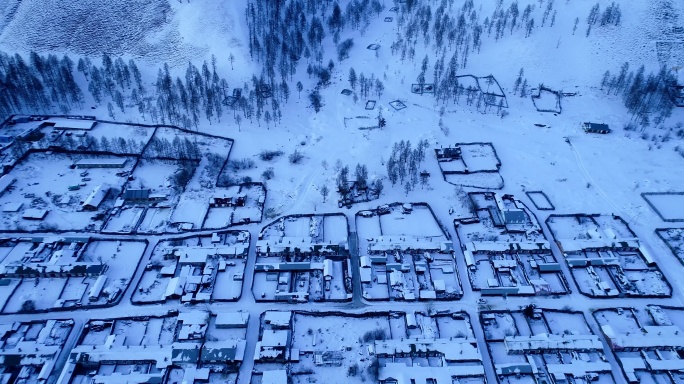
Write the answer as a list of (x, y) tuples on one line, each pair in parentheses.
[(300, 87), (343, 181), (361, 177), (352, 78)]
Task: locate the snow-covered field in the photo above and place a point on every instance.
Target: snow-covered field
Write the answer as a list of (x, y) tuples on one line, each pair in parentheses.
[(670, 206)]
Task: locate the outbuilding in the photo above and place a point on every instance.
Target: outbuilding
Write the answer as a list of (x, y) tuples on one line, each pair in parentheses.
[(108, 162), (35, 214)]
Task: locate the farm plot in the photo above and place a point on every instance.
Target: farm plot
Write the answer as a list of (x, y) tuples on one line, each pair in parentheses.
[(151, 288), (421, 222), (479, 157), (547, 100), (668, 205), (334, 229), (480, 180), (35, 294), (540, 200), (470, 164), (157, 175), (125, 220), (228, 283), (453, 166), (674, 238), (191, 208), (155, 220), (55, 190)]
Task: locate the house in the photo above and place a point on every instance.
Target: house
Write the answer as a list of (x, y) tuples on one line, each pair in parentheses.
[(221, 201), (448, 154), (596, 128), (93, 201), (225, 320)]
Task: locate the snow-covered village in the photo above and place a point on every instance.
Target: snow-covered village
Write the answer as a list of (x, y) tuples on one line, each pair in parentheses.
[(341, 191)]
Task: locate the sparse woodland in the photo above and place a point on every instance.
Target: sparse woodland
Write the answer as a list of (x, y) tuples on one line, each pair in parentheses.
[(288, 35)]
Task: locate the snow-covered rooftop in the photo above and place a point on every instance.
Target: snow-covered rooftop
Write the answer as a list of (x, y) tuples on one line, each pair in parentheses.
[(552, 342)]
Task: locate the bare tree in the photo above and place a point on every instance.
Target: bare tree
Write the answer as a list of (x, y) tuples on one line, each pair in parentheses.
[(324, 192)]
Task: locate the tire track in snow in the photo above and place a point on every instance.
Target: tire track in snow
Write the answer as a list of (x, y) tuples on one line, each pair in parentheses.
[(591, 180)]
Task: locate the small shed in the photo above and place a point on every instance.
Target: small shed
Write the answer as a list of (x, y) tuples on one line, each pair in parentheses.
[(278, 319), (96, 289), (137, 193), (411, 321), (366, 275), (440, 285), (12, 207), (365, 261), (74, 124), (241, 200), (328, 269)]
